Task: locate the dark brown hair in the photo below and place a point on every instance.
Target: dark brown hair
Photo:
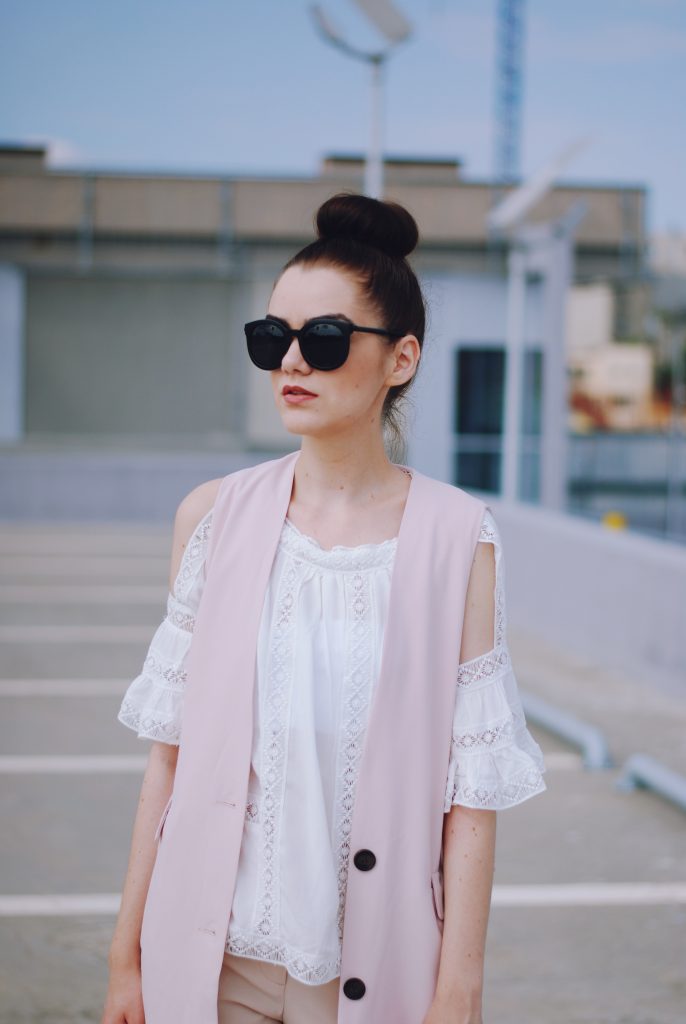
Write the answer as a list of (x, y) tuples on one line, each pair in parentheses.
[(371, 238)]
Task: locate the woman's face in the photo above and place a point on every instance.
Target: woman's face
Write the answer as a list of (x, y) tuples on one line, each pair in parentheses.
[(352, 395)]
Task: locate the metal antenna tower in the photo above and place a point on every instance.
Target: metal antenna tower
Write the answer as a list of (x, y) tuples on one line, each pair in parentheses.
[(508, 92)]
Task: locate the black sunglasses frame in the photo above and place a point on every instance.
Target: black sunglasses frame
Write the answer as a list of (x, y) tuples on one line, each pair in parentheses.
[(311, 344)]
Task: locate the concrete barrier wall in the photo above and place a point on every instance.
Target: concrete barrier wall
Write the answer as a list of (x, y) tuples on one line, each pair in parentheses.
[(107, 486), (612, 596)]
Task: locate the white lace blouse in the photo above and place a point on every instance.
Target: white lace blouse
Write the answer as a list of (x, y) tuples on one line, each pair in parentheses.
[(318, 659)]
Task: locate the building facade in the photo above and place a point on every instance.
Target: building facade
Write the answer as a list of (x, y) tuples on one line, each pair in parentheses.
[(122, 300)]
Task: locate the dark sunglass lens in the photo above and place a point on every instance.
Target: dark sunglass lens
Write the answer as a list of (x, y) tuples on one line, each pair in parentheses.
[(325, 331), (267, 344), (325, 346)]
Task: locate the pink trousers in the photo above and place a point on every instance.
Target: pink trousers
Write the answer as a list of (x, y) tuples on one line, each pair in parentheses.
[(257, 992)]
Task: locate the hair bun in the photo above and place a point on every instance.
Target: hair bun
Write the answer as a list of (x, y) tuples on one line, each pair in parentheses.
[(378, 223)]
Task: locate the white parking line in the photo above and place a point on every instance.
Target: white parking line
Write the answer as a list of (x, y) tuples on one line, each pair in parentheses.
[(562, 760), (76, 634), (59, 906), (55, 563), (63, 687), (18, 764), (63, 764), (76, 593), (587, 894)]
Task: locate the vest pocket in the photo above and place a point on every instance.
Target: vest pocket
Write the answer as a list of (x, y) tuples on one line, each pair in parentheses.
[(437, 889), (165, 812)]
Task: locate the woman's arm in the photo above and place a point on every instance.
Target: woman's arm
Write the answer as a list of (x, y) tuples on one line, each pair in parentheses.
[(468, 865), (469, 836), (156, 788)]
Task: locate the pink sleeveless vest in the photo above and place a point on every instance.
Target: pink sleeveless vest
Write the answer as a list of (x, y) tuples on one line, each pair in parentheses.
[(394, 899)]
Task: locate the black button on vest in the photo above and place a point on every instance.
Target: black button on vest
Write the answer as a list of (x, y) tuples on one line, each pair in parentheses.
[(364, 860), (354, 988)]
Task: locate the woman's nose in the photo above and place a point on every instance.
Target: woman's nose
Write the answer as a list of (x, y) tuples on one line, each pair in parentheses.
[(293, 356)]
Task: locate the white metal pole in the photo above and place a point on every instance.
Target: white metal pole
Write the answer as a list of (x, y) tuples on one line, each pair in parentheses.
[(516, 299), (373, 178), (674, 444), (555, 404)]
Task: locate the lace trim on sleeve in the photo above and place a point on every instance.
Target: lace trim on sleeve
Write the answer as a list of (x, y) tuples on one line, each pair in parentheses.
[(153, 702), (190, 574), (179, 614), (494, 761)]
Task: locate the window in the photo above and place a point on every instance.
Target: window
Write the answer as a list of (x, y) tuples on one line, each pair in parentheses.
[(478, 422)]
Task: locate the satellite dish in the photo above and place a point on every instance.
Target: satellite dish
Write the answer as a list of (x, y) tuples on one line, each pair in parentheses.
[(387, 19), (514, 208), (328, 30)]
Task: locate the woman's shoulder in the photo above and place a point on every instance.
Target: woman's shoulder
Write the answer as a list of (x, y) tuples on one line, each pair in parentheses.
[(193, 512), (196, 504)]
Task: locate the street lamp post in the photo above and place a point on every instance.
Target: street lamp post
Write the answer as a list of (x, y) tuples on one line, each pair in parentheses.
[(545, 249), (393, 25)]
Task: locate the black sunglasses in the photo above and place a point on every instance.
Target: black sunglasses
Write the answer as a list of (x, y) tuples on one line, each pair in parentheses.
[(324, 341)]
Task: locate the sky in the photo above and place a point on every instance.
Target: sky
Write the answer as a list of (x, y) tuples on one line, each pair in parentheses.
[(248, 87)]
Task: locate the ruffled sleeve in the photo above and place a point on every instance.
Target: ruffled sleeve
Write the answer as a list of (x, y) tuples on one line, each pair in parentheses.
[(495, 762), (153, 703)]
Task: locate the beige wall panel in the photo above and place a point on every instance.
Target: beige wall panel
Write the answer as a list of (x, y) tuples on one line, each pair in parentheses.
[(157, 205), (265, 209), (268, 209), (445, 213), (612, 218), (41, 203), (450, 214)]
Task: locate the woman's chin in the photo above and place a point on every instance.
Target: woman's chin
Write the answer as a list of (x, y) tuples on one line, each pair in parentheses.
[(293, 427), (304, 425)]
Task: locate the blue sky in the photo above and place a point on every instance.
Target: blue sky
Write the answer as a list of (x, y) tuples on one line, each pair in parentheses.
[(248, 86)]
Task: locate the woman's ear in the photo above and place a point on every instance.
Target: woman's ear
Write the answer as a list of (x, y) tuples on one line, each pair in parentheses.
[(406, 353)]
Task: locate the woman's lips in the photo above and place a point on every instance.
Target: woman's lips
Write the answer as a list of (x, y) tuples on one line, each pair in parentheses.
[(297, 397)]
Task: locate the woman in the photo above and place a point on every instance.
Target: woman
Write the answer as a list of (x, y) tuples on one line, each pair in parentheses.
[(342, 340)]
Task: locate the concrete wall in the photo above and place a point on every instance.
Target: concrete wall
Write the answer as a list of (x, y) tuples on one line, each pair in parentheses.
[(107, 486), (613, 597)]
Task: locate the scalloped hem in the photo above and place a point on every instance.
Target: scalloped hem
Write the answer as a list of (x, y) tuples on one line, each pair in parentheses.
[(506, 793), (307, 970), (163, 732)]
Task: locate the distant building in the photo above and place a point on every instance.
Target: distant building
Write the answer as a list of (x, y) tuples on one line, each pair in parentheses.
[(611, 382), (667, 253), (615, 380), (123, 296)]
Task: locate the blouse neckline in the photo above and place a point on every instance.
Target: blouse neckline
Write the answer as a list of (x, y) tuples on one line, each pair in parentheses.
[(340, 556), (368, 555), (340, 547)]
